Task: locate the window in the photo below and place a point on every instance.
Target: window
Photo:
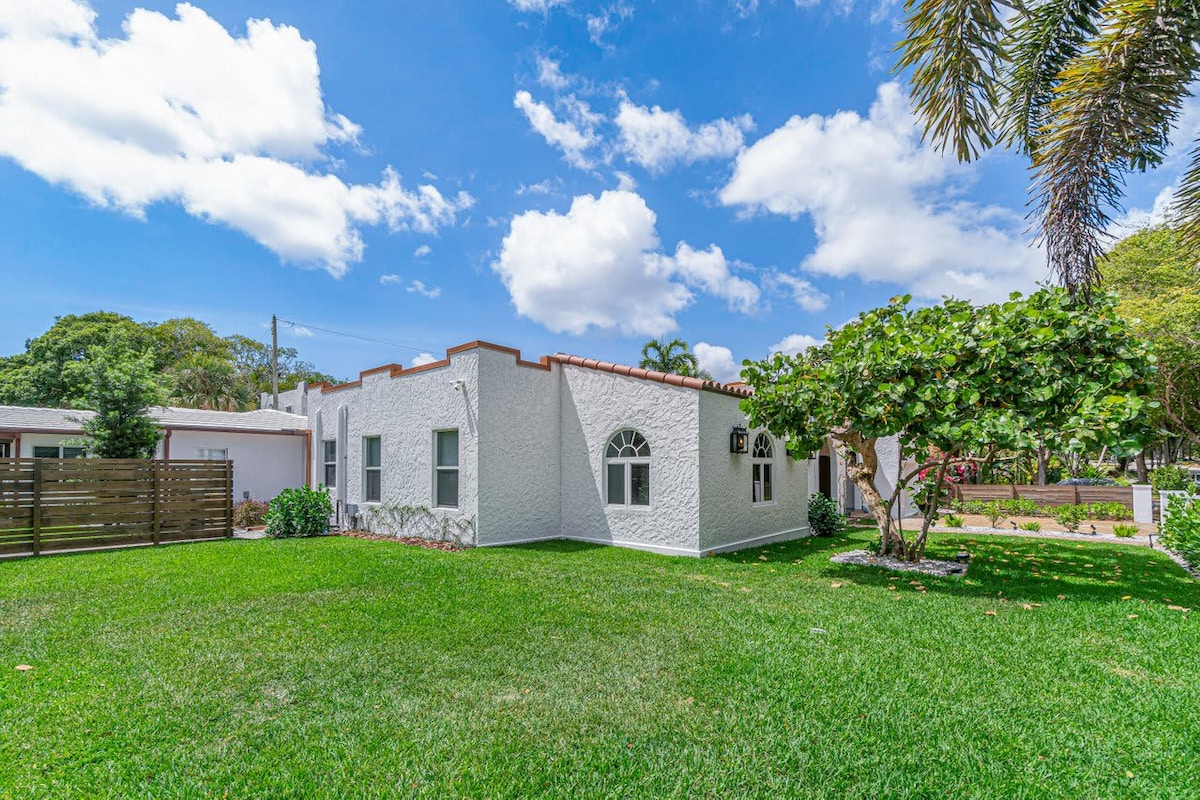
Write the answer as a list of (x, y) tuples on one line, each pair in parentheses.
[(761, 455), (627, 470), (329, 448), (212, 453), (446, 469), (41, 451), (372, 469)]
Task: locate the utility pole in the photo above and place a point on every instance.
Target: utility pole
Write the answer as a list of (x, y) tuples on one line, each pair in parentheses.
[(274, 362)]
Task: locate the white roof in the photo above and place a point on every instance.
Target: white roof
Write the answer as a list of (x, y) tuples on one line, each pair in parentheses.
[(18, 418)]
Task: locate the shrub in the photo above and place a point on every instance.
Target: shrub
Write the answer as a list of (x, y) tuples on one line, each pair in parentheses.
[(1170, 478), (1070, 516), (1108, 511), (1124, 531), (954, 521), (993, 510), (1019, 507), (1180, 529), (299, 512), (823, 515), (1030, 526), (249, 513)]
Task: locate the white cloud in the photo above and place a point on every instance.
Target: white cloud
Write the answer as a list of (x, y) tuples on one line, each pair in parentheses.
[(718, 361), (596, 265), (608, 20), (181, 111), (419, 287), (793, 344), (389, 279), (658, 139), (547, 186), (421, 359), (550, 74), (807, 296), (301, 331), (883, 205), (709, 271), (422, 251), (540, 6), (625, 181), (601, 265), (573, 137), (1135, 219)]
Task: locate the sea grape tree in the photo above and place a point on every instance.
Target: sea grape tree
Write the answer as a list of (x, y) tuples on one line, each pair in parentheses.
[(953, 381)]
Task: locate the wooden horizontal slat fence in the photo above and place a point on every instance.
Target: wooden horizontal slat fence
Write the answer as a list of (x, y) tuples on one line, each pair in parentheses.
[(49, 504), (1046, 495)]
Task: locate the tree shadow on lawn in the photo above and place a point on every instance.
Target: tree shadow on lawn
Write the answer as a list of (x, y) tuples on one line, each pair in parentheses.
[(1029, 570)]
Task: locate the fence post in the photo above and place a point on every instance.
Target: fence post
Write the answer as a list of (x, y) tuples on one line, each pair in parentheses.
[(157, 492), (37, 506), (229, 499)]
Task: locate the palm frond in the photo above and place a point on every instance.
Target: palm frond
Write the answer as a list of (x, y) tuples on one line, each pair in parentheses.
[(1186, 206), (1112, 112), (1043, 38), (953, 47)]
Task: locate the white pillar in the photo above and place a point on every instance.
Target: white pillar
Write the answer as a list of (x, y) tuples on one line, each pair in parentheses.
[(1143, 503)]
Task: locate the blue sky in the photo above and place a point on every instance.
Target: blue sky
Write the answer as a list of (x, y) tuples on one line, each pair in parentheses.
[(554, 175)]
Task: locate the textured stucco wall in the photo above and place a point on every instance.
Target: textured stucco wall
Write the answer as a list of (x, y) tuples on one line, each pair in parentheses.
[(519, 450), (728, 515), (263, 464), (404, 412), (595, 405)]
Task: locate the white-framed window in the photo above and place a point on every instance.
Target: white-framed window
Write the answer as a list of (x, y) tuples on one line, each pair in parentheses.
[(627, 469), (46, 451), (372, 469), (212, 453), (762, 457), (329, 456), (445, 478)]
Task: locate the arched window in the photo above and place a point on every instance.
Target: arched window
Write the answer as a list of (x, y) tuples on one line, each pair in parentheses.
[(627, 469), (761, 457)]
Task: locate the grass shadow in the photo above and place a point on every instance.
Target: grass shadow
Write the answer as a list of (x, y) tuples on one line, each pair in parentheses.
[(1040, 570)]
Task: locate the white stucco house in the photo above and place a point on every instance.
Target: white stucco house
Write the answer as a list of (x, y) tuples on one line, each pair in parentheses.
[(491, 449), (269, 449)]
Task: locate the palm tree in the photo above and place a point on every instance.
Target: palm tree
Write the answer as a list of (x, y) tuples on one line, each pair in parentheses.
[(674, 357), (209, 383), (1090, 90)]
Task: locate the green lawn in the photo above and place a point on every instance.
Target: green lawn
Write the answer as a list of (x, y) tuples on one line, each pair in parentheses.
[(338, 667)]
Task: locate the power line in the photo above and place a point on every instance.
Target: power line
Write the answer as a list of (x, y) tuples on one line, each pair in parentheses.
[(355, 336)]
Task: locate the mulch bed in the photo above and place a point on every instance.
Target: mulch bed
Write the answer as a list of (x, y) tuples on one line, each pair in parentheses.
[(415, 541)]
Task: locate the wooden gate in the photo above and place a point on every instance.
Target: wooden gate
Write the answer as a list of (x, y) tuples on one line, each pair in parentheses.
[(50, 504)]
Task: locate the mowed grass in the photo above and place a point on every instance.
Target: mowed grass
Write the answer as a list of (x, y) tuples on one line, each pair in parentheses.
[(338, 667)]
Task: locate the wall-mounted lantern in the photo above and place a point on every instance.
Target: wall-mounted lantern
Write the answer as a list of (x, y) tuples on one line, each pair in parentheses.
[(739, 440)]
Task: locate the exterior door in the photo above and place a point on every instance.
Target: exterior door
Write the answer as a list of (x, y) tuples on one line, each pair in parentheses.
[(825, 476), (6, 449)]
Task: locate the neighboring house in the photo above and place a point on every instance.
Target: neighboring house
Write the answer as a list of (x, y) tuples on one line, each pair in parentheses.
[(269, 449), (492, 449)]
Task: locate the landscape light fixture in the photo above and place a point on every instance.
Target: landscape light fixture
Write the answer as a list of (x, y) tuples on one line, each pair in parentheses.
[(739, 440)]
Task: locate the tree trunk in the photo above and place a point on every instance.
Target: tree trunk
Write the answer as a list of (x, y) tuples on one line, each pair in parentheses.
[(862, 464), (917, 551), (1043, 462), (1143, 475)]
